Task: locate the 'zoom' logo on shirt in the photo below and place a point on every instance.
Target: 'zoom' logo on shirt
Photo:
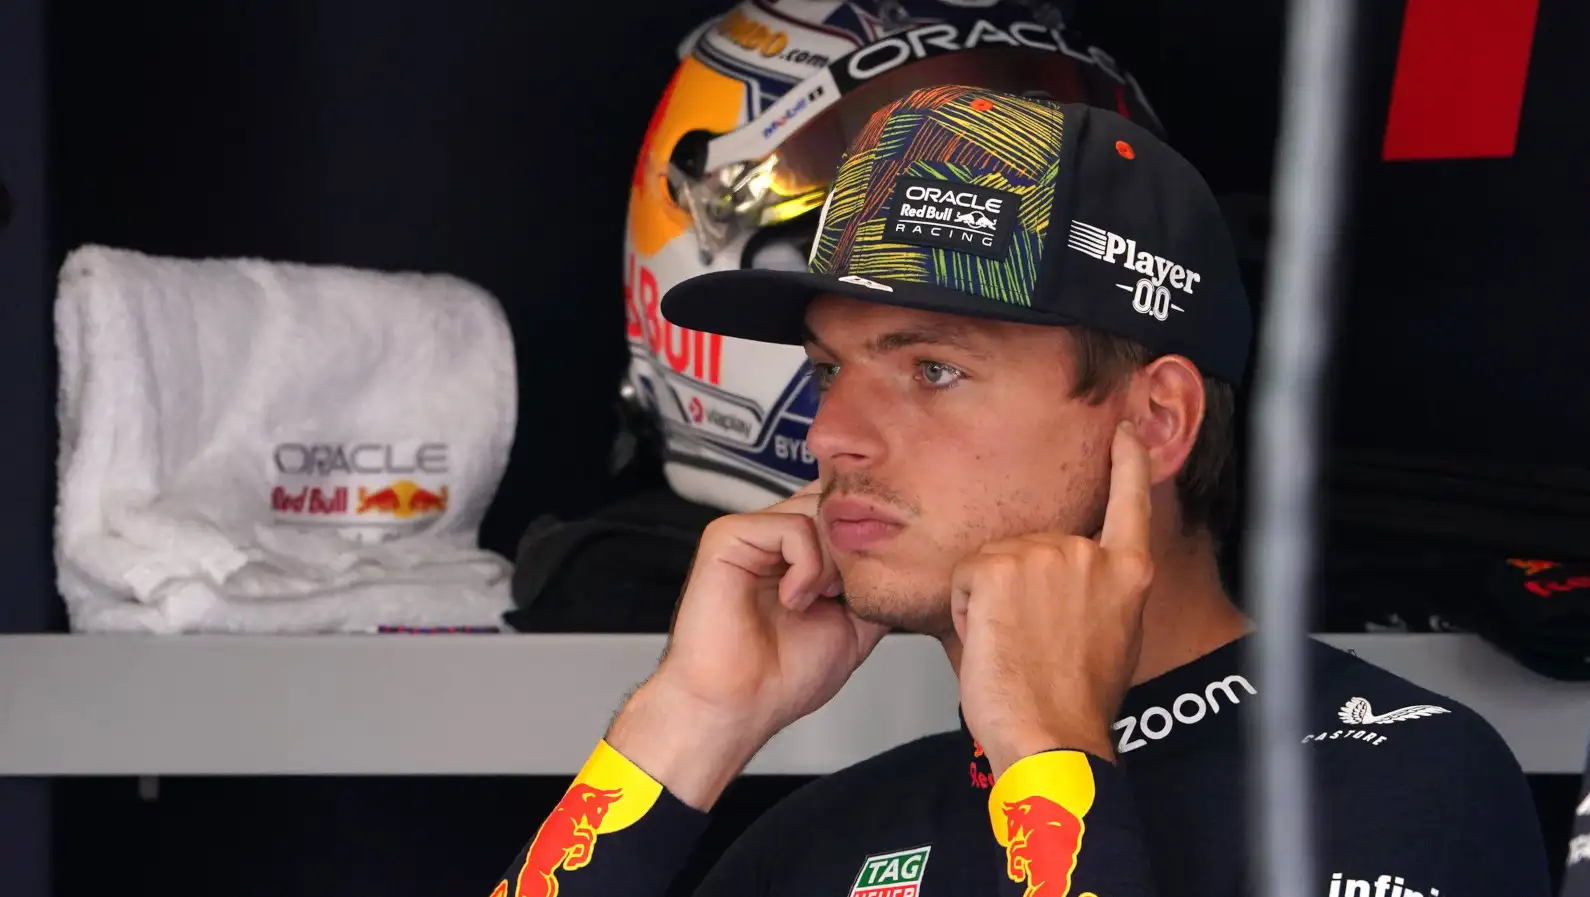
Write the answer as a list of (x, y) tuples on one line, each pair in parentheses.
[(1157, 722)]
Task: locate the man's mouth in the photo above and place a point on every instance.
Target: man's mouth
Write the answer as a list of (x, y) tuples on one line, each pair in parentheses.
[(855, 525)]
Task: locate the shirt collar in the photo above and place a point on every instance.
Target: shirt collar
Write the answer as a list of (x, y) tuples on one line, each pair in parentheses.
[(1200, 701)]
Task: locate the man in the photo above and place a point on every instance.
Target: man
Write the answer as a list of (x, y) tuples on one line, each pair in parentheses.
[(1026, 322)]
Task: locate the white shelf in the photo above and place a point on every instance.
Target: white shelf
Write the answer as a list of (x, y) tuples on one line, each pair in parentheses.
[(535, 704)]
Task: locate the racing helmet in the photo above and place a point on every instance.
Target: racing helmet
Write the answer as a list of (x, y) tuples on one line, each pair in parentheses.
[(733, 171)]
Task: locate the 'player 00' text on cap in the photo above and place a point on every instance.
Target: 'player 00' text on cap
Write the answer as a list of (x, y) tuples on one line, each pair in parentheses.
[(970, 202)]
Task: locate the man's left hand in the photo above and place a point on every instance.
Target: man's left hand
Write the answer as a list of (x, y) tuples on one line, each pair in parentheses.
[(1051, 625)]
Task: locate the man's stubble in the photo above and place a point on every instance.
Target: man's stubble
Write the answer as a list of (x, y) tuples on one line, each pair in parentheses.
[(917, 600)]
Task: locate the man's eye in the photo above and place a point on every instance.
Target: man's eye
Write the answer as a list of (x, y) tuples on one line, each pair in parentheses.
[(824, 374), (939, 375)]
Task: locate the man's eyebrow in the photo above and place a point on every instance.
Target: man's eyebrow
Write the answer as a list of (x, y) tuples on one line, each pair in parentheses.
[(808, 338), (951, 335), (955, 337)]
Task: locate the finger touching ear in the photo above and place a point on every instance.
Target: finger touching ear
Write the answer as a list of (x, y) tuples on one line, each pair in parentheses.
[(1171, 415)]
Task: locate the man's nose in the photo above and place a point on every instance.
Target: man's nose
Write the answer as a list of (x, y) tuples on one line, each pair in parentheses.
[(846, 434)]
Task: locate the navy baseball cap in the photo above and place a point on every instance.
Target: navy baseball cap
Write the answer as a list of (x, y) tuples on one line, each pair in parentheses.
[(972, 202)]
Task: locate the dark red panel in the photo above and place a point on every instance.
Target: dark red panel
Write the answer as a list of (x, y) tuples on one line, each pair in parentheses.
[(1459, 84)]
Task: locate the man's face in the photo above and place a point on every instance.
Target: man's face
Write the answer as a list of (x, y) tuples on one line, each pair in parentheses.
[(937, 434)]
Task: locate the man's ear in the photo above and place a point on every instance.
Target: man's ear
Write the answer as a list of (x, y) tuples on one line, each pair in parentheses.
[(1171, 405)]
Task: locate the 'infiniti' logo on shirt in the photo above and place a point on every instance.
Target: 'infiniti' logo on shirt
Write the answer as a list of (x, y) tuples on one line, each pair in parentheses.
[(1383, 886), (1188, 708)]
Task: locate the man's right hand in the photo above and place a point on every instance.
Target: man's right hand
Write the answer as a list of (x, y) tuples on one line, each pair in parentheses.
[(759, 641)]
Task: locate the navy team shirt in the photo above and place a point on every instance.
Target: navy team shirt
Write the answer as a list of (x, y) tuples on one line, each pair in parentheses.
[(1416, 796)]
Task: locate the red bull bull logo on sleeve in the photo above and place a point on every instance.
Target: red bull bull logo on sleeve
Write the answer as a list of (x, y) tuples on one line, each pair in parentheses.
[(897, 874), (608, 795), (1036, 809)]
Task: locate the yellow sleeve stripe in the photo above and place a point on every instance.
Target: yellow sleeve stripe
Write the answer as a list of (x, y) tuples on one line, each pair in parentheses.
[(624, 792), (1060, 778)]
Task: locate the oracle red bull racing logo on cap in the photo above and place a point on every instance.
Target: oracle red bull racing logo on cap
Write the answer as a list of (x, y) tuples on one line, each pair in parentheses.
[(897, 874), (967, 217), (1036, 809)]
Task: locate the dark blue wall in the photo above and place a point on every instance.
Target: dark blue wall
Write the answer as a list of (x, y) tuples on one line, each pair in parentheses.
[(27, 445)]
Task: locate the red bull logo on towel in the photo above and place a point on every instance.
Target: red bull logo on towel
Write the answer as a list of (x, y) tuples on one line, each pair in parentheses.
[(368, 491)]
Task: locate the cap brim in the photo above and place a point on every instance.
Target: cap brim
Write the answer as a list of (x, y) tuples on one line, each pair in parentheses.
[(770, 306)]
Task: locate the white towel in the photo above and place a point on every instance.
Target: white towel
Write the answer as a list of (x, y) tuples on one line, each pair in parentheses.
[(250, 446)]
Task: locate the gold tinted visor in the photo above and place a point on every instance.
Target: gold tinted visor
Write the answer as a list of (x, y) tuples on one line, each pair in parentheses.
[(807, 160), (792, 181)]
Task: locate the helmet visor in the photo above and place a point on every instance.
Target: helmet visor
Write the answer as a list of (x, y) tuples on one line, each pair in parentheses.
[(792, 180), (807, 160)]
